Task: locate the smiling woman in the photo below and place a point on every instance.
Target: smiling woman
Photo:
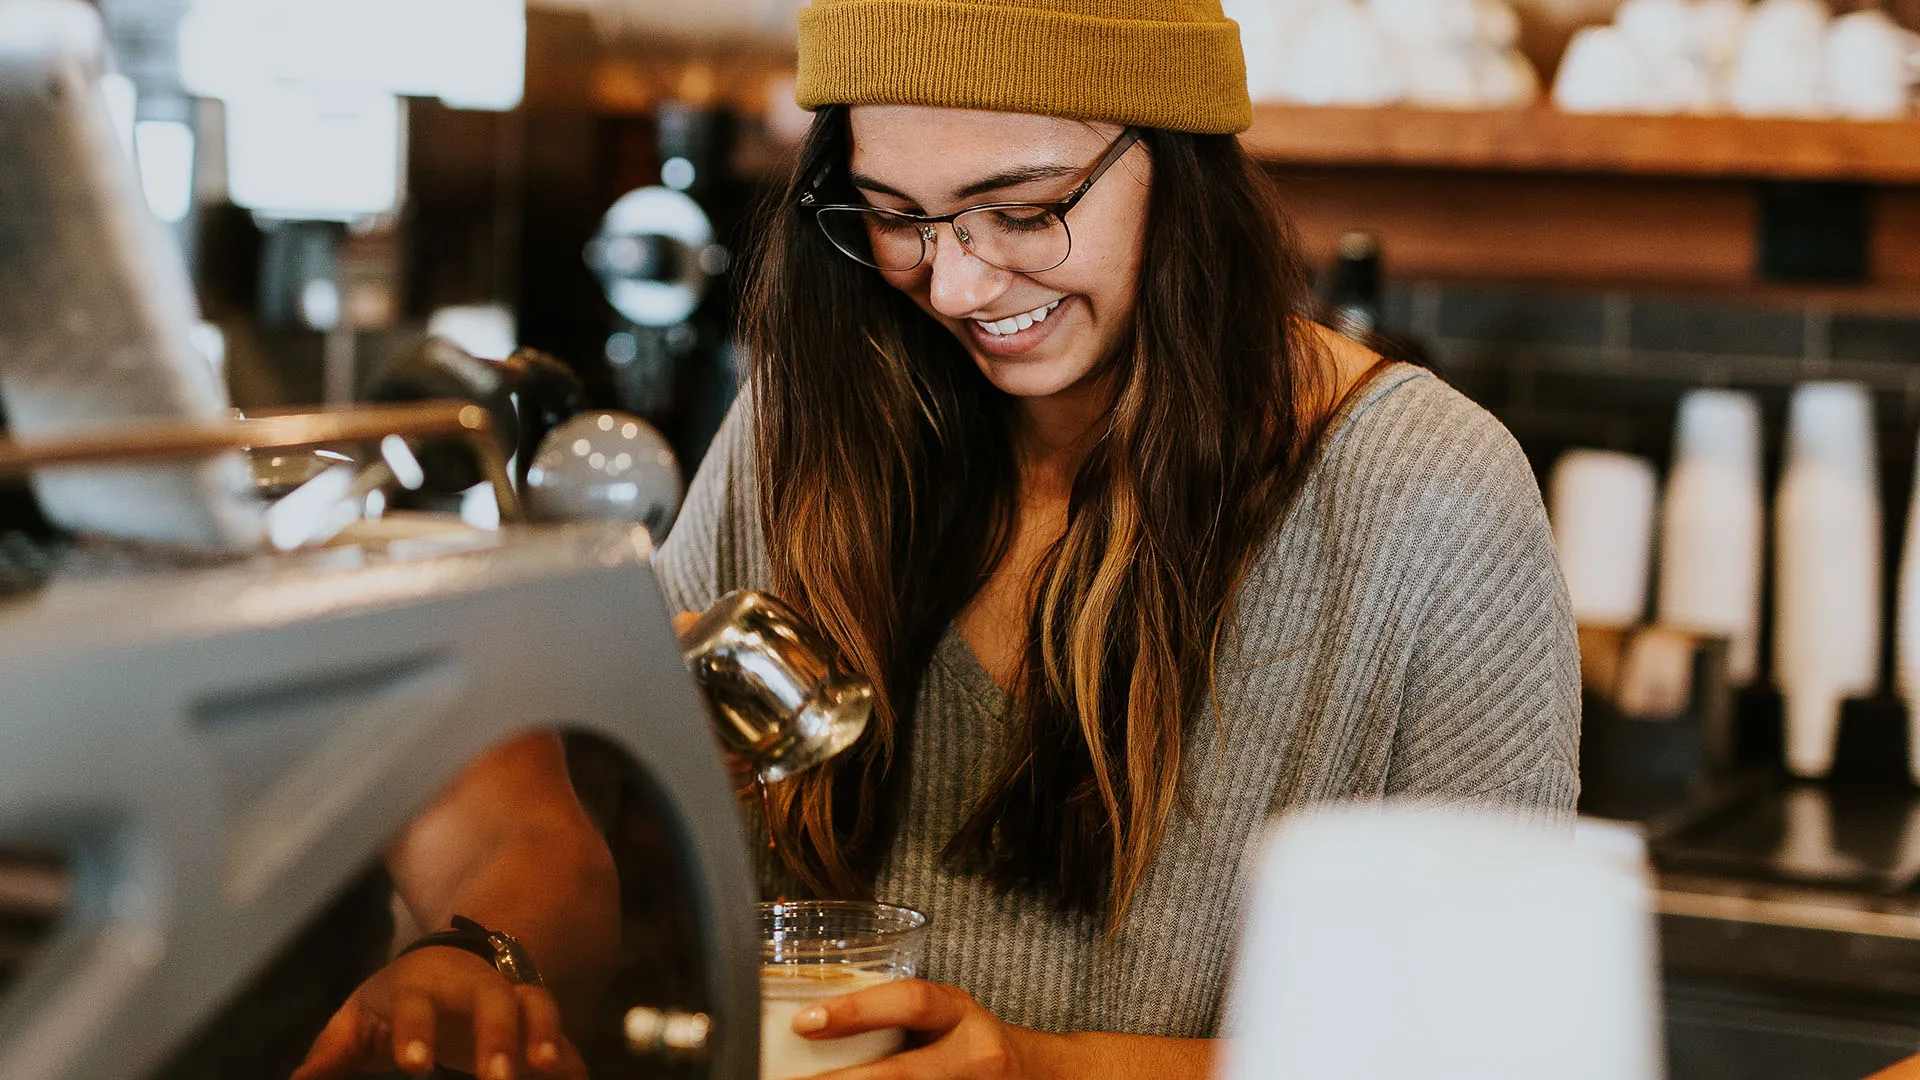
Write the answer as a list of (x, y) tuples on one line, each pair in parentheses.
[(1038, 430)]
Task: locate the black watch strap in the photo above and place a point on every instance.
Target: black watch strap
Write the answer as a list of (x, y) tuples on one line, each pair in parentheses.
[(502, 950)]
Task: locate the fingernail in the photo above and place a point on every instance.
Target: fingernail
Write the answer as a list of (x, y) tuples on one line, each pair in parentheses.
[(418, 1054), (544, 1055), (499, 1067), (810, 1019)]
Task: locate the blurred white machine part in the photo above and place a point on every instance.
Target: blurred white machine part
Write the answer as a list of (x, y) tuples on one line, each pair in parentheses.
[(1386, 942), (306, 153), (1601, 505), (314, 128), (97, 313), (488, 331), (1713, 525), (469, 53), (1826, 626)]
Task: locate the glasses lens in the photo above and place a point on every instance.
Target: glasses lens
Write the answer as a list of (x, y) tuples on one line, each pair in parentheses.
[(1024, 239), (879, 240)]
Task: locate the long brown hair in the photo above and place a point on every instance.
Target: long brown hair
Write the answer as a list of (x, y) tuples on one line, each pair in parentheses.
[(887, 482)]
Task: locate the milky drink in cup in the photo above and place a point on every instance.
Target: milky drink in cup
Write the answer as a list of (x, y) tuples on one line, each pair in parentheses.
[(811, 951)]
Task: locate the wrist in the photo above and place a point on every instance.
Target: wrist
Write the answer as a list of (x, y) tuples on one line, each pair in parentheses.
[(502, 950), (1042, 1055)]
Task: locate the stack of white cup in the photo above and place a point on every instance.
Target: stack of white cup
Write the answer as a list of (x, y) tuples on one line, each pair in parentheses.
[(1601, 506), (1827, 556), (1713, 523)]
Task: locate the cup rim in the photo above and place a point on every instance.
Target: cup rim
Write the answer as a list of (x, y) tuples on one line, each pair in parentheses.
[(853, 946), (909, 919)]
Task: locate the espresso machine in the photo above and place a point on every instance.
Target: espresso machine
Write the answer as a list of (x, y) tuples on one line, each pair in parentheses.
[(221, 697), (218, 749)]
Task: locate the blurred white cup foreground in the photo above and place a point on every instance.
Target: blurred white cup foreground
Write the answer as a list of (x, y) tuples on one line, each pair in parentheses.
[(1601, 506), (1386, 942)]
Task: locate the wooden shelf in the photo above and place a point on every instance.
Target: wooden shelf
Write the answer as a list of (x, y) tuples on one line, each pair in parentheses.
[(1541, 139), (1629, 202)]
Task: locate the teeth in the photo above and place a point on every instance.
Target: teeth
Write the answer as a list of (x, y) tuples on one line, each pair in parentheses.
[(1018, 322)]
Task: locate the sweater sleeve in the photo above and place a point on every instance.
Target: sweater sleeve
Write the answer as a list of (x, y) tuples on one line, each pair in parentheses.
[(1491, 707), (715, 544)]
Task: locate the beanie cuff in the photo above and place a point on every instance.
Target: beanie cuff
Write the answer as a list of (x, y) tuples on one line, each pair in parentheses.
[(1178, 76)]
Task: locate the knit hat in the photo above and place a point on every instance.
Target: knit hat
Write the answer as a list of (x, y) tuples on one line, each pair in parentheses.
[(1173, 64)]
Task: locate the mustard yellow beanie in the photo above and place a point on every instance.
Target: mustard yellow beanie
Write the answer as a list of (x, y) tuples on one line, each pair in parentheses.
[(1173, 64)]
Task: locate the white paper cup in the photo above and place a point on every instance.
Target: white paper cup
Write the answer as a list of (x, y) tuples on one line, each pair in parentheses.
[(1601, 506), (812, 950)]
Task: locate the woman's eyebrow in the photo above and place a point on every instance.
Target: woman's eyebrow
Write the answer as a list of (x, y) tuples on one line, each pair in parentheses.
[(1006, 178)]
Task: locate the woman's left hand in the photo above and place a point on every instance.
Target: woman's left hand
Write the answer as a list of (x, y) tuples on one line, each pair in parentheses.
[(951, 1037)]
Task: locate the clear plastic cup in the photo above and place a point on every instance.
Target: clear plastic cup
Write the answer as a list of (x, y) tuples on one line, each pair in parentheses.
[(811, 950)]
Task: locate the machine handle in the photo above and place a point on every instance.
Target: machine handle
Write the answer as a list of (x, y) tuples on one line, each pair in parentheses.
[(174, 440)]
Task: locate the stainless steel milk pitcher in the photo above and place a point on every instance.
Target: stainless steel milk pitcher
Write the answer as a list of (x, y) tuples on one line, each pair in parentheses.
[(775, 692)]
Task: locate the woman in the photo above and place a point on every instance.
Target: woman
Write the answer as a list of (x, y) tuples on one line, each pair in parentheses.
[(1038, 432)]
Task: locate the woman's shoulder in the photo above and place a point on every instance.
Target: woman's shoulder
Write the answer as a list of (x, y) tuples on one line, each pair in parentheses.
[(1408, 434), (1411, 470)]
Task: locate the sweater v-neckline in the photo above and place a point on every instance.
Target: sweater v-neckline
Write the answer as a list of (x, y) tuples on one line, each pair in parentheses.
[(957, 657)]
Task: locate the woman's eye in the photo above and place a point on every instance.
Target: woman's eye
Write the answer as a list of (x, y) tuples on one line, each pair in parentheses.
[(1023, 218), (889, 225)]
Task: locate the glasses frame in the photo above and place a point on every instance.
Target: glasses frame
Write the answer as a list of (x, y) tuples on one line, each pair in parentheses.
[(810, 202)]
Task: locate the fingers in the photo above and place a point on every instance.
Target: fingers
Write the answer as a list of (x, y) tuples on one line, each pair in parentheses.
[(413, 1032), (571, 1066), (906, 1003), (924, 1064), (496, 1031), (540, 1020), (340, 1047)]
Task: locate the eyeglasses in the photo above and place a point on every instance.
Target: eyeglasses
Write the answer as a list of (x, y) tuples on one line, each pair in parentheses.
[(1026, 238)]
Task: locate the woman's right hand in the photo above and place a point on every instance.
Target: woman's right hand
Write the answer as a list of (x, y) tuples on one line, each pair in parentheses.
[(444, 1006), (739, 770)]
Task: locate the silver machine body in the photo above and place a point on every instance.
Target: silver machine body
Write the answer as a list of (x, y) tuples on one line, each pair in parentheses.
[(221, 749)]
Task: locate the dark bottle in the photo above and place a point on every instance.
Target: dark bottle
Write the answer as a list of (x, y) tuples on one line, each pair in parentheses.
[(1353, 288), (1352, 300)]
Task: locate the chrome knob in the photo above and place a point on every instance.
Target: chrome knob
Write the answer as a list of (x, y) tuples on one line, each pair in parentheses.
[(667, 1033)]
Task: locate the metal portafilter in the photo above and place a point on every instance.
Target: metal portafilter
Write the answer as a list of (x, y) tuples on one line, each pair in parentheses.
[(775, 691)]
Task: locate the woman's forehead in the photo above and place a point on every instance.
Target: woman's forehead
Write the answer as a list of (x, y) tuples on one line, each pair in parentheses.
[(934, 154)]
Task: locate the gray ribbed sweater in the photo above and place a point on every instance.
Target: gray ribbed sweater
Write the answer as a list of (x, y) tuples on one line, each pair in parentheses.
[(1405, 633)]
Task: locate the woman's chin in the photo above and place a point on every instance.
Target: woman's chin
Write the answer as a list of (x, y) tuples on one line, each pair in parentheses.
[(1029, 379)]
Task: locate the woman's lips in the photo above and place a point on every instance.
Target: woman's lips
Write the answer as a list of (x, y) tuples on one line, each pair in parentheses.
[(1020, 341)]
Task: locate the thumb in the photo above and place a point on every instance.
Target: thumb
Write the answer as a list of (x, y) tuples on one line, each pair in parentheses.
[(341, 1046), (683, 621)]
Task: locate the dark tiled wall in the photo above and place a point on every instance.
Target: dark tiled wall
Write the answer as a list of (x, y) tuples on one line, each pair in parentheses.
[(1567, 369)]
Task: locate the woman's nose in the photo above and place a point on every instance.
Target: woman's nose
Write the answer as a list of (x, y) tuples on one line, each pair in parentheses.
[(962, 283)]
